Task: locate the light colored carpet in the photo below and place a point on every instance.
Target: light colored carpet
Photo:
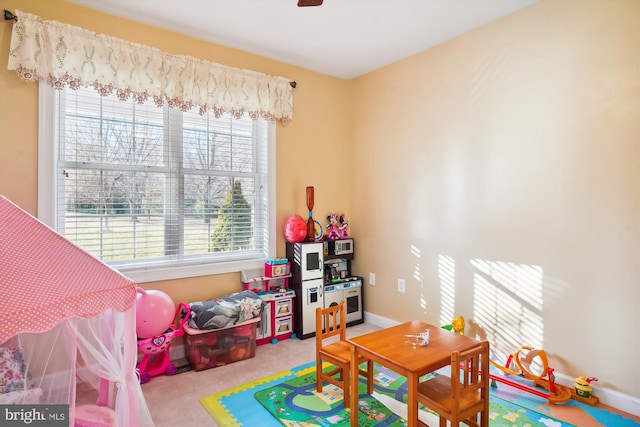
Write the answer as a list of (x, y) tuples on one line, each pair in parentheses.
[(174, 400)]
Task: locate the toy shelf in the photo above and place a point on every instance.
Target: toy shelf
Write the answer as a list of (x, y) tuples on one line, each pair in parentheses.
[(256, 280)]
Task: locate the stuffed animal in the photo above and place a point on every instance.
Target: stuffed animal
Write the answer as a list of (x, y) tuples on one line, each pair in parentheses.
[(332, 227)]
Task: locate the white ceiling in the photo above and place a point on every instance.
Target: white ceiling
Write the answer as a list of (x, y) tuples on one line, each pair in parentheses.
[(341, 38)]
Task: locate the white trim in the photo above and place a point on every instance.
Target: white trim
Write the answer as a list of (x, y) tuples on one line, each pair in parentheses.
[(272, 140), (177, 352), (613, 398), (379, 321), (46, 157), (181, 272)]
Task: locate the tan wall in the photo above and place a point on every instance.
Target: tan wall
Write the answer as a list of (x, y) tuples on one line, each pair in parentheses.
[(312, 143), (513, 147), (499, 175)]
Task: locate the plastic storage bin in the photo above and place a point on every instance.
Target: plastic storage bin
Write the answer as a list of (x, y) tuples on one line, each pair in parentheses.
[(205, 349)]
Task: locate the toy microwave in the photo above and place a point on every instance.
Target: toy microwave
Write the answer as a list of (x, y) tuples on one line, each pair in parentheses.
[(340, 247)]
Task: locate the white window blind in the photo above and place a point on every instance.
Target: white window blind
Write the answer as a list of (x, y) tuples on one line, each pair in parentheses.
[(142, 187)]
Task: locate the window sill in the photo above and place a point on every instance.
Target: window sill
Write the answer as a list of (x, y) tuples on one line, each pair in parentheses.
[(172, 273)]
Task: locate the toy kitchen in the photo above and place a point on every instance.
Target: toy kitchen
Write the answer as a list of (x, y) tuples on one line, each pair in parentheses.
[(272, 286), (321, 277)]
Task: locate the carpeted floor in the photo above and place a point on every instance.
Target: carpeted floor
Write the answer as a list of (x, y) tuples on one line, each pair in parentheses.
[(174, 400), (290, 397)]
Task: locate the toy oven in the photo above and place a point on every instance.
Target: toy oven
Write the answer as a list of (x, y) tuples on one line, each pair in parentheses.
[(352, 294)]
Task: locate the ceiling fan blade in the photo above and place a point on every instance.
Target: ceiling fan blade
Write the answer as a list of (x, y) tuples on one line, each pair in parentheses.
[(304, 3)]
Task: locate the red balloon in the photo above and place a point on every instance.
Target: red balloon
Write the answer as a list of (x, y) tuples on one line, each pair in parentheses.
[(295, 229)]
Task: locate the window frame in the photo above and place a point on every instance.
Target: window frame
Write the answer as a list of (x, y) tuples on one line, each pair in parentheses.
[(47, 186)]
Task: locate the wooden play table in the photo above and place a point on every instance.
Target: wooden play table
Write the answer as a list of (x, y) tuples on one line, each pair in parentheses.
[(389, 348)]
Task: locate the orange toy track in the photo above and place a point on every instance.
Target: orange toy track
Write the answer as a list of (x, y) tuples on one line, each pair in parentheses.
[(562, 393), (556, 393)]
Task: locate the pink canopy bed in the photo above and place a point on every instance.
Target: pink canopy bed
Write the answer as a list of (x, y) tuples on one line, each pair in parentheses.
[(66, 320)]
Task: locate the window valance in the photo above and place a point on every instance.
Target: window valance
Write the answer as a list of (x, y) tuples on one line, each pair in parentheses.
[(66, 55)]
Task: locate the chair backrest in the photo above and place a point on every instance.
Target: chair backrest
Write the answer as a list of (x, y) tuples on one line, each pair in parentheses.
[(331, 321), (470, 370)]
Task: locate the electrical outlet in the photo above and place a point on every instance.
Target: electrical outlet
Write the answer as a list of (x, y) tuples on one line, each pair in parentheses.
[(401, 287), (372, 279)]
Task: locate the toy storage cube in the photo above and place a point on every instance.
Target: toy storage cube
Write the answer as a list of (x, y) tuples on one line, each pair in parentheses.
[(205, 349)]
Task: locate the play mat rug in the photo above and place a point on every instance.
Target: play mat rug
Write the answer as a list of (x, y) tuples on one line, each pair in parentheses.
[(289, 398)]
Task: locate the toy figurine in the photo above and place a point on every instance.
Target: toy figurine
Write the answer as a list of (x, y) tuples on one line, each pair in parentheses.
[(344, 227), (582, 387), (332, 227)]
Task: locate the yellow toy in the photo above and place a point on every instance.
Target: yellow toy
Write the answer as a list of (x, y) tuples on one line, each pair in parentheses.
[(582, 390), (458, 325)]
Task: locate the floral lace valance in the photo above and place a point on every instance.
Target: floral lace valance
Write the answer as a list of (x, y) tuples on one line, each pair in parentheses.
[(70, 56)]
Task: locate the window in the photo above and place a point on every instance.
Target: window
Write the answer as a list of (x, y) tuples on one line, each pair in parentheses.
[(156, 192)]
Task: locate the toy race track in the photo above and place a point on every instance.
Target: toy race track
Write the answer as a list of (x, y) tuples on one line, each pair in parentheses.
[(524, 358)]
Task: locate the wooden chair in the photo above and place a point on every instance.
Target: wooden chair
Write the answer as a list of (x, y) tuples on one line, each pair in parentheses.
[(464, 395), (332, 322)]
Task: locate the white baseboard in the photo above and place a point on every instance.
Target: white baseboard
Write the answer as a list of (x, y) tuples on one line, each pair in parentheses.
[(380, 321), (177, 352), (621, 401), (613, 398)]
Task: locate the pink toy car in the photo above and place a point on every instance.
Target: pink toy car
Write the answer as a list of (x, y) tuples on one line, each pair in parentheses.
[(156, 349)]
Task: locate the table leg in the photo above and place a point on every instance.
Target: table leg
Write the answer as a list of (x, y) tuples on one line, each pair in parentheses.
[(412, 400), (353, 383)]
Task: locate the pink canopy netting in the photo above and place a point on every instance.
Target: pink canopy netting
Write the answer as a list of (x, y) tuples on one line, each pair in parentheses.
[(59, 302)]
